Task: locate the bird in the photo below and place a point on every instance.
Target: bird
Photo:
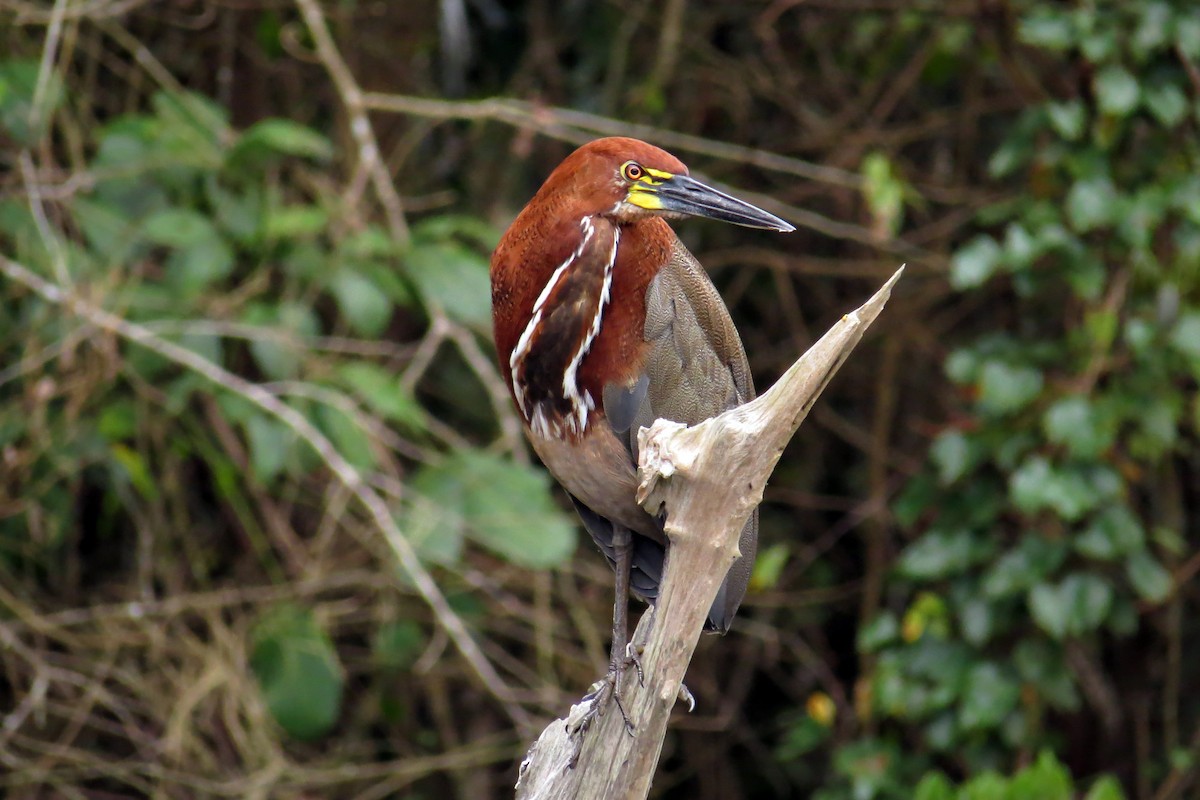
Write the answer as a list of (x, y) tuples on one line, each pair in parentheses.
[(603, 323)]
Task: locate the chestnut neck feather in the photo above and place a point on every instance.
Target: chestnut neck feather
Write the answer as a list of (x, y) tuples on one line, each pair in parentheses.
[(568, 297)]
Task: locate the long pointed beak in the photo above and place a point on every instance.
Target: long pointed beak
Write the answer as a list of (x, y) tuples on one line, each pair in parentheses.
[(683, 195)]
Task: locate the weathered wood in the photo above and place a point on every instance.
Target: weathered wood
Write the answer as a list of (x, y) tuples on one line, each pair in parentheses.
[(709, 477)]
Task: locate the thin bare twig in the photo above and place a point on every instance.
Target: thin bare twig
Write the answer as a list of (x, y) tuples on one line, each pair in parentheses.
[(558, 122), (360, 125)]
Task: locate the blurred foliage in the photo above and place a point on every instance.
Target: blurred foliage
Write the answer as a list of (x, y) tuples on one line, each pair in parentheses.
[(977, 575)]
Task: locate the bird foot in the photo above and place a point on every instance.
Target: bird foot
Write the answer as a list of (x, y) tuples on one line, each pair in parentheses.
[(599, 695)]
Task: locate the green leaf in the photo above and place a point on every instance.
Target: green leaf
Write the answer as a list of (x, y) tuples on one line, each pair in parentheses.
[(1020, 248), (880, 632), (934, 786), (109, 233), (1149, 578), (1041, 664), (397, 645), (1117, 91), (984, 786), (1167, 103), (768, 567), (951, 455), (129, 464), (1092, 203), (502, 505), (194, 268), (884, 193), (963, 366), (1185, 336), (1154, 29), (298, 672), (990, 694), (1037, 485), (1077, 605), (285, 137), (1047, 27), (975, 262), (1075, 422), (1024, 566), (1113, 533), (18, 88), (1005, 388), (1106, 788), (1068, 118), (1045, 779), (280, 359), (179, 227), (383, 392), (366, 309), (1187, 34), (454, 278), (939, 554), (294, 222), (351, 440), (433, 517), (269, 443)]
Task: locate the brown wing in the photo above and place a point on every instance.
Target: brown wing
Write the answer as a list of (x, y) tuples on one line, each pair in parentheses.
[(695, 369)]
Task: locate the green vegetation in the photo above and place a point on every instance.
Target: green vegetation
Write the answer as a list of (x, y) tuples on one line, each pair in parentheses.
[(978, 574)]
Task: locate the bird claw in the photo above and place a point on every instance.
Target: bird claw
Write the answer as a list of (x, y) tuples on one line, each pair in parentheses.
[(599, 695)]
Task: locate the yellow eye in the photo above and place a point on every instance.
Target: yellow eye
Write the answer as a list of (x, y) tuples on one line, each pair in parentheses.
[(632, 171)]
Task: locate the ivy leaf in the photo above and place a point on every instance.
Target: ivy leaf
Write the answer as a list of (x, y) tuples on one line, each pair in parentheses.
[(951, 454), (939, 554), (1092, 203), (1047, 27), (1148, 577), (1005, 388), (1185, 337), (1023, 567), (989, 695), (1113, 533), (1076, 423), (1041, 664), (975, 262), (1037, 485), (1167, 103), (1068, 118), (1117, 91), (1077, 605)]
